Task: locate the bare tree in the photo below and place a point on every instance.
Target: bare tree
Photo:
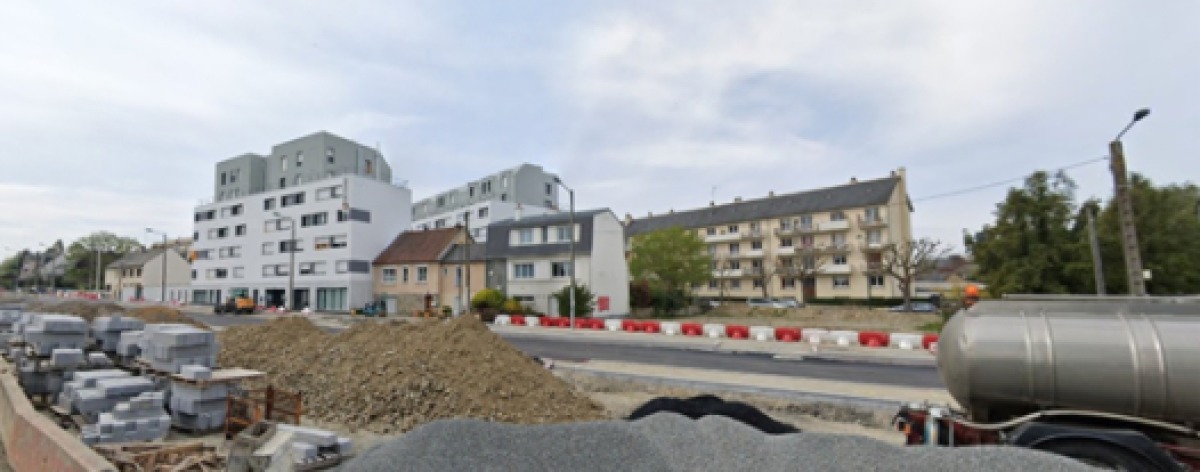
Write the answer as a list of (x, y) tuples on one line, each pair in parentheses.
[(909, 260)]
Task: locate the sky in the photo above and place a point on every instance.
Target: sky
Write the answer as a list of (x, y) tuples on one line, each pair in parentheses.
[(112, 118)]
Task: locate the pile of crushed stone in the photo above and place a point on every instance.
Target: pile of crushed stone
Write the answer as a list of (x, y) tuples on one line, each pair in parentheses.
[(671, 442), (392, 377), (90, 310)]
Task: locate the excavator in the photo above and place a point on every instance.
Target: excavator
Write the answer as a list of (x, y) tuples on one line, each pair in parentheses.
[(239, 302)]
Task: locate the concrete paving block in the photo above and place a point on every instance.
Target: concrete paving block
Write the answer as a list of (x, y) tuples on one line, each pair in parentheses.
[(195, 372), (124, 386), (61, 324), (345, 446), (98, 359), (302, 451), (314, 436), (67, 358)]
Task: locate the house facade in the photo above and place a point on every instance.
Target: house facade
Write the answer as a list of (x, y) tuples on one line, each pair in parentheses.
[(338, 197), (139, 276), (526, 190), (529, 258), (431, 268), (816, 244)]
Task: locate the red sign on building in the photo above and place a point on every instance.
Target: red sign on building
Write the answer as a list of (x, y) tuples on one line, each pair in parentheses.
[(602, 303)]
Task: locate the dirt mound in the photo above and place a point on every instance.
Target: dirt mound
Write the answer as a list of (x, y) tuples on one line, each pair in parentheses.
[(393, 377), (89, 310)]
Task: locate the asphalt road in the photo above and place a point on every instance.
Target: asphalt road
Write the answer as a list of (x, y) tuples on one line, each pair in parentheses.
[(581, 350)]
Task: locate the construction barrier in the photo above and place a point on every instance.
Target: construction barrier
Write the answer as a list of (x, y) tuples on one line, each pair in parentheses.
[(691, 329), (785, 334), (815, 335), (872, 339), (581, 323), (762, 333), (531, 320), (613, 325), (597, 323), (714, 330), (905, 340), (671, 328), (651, 327), (518, 320), (562, 322), (502, 320), (545, 322), (842, 337), (631, 326), (928, 341), (737, 332)]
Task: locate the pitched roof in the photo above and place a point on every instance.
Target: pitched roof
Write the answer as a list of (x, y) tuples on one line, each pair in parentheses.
[(418, 246), (455, 254), (136, 259), (561, 217), (869, 192)]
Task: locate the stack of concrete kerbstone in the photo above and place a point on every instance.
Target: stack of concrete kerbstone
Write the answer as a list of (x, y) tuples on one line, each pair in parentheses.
[(142, 418), (107, 393), (300, 448), (84, 380), (169, 347), (129, 346), (197, 405), (46, 333), (7, 319), (106, 330)]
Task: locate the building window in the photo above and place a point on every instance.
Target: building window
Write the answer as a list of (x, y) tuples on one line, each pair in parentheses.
[(787, 282), (712, 249), (268, 249), (471, 191), (485, 187), (838, 240), (239, 230), (290, 245), (329, 156), (422, 274), (283, 182), (733, 229), (477, 233), (755, 226), (195, 235), (549, 189), (872, 215), (712, 284), (293, 199), (269, 204), (806, 222), (299, 179), (229, 252), (329, 192), (370, 167), (874, 236), (785, 242), (875, 280), (107, 287), (239, 272), (735, 284), (712, 231), (756, 245), (314, 219), (841, 281), (342, 267), (218, 273), (329, 242), (222, 178), (564, 233), (837, 215), (282, 162), (807, 241), (757, 283), (483, 212), (839, 259), (441, 223), (299, 159), (389, 276), (525, 236), (404, 274), (522, 271), (504, 181), (504, 197), (785, 224), (560, 269), (756, 264), (734, 248), (206, 215), (312, 268), (735, 265)]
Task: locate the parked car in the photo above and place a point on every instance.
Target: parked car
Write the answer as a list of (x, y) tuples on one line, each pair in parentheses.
[(916, 307), (779, 303), (789, 302)]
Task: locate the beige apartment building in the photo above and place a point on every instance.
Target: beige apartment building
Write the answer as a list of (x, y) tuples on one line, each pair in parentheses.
[(816, 244)]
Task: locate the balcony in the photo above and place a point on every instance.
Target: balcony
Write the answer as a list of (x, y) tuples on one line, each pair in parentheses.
[(785, 250), (727, 273), (722, 237), (866, 222), (839, 225), (752, 234), (873, 247), (833, 248), (751, 254), (871, 267), (835, 269), (753, 272)]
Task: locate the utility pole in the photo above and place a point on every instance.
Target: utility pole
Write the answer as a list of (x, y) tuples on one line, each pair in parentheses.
[(464, 293), (1129, 241), (571, 235), (1097, 262), (162, 296)]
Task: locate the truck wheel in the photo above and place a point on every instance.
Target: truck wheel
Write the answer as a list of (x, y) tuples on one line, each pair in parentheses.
[(1100, 454)]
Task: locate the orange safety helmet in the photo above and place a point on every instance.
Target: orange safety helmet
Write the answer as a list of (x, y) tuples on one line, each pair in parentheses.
[(972, 291)]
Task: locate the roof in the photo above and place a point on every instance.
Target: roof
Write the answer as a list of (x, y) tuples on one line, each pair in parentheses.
[(478, 253), (418, 246), (561, 217), (869, 192), (136, 259)]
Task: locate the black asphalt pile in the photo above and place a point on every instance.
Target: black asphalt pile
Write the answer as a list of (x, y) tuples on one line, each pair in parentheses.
[(670, 442)]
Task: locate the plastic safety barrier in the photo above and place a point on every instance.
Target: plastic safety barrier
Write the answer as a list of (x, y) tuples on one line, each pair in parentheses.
[(517, 320), (843, 337), (905, 340), (651, 327), (762, 333), (928, 340), (671, 328), (533, 320), (815, 335), (502, 320), (691, 329), (872, 339), (714, 330), (631, 326), (737, 331), (613, 325), (786, 334)]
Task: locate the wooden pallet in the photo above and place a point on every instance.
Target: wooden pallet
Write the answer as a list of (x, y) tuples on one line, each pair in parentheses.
[(142, 457)]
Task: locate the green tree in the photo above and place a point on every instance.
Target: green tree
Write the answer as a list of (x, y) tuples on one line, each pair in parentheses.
[(1032, 248), (10, 269), (82, 256), (584, 300), (673, 258), (488, 298), (1168, 226)]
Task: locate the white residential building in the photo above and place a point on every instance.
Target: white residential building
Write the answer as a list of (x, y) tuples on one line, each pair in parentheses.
[(525, 189), (344, 215), (529, 259)]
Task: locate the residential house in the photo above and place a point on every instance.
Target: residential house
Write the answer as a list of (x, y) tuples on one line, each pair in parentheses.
[(139, 276), (530, 259), (816, 244), (425, 268)]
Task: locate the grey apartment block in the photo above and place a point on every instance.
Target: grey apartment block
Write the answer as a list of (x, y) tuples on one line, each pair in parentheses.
[(317, 156), (526, 184)]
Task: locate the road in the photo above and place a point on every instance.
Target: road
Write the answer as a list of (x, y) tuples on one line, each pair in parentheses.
[(581, 350)]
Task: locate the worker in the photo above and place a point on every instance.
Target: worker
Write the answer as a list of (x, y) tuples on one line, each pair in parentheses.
[(970, 295)]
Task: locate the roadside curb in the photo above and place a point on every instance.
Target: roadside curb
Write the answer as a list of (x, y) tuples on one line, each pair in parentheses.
[(858, 359)]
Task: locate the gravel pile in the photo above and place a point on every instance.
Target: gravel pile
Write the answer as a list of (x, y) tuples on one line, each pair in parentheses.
[(392, 377), (670, 442)]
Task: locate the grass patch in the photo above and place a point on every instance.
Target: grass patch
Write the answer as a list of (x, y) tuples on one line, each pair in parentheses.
[(932, 326)]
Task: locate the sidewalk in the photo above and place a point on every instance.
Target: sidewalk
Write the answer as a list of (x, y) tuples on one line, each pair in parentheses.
[(794, 351)]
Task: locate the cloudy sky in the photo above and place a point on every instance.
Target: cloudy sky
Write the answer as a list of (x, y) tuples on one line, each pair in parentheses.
[(113, 116)]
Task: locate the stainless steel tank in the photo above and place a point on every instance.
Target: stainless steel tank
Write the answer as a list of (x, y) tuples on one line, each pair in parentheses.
[(1130, 356)]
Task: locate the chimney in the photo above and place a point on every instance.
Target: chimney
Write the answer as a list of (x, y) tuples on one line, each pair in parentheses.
[(771, 194), (517, 213), (671, 211), (712, 203), (893, 172), (737, 199), (854, 180), (628, 219)]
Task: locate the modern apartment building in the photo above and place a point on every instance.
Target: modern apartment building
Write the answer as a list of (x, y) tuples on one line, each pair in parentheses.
[(525, 189), (816, 244), (529, 258), (338, 197)]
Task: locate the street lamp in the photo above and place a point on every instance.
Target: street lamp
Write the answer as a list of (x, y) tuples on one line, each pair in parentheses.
[(1133, 258), (162, 295), (288, 302), (571, 233)]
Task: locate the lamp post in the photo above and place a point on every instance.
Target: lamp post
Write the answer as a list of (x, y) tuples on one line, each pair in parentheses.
[(162, 294), (571, 234), (1129, 241), (288, 302)]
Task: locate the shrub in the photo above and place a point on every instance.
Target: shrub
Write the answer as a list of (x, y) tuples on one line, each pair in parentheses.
[(513, 307), (488, 298), (584, 301), (640, 294), (667, 302)]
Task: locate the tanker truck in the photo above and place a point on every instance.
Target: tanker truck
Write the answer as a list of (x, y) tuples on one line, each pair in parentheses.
[(1110, 381)]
